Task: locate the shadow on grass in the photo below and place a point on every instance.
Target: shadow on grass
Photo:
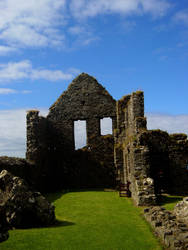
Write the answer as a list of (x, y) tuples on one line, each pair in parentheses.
[(86, 190), (167, 199), (52, 197), (59, 223)]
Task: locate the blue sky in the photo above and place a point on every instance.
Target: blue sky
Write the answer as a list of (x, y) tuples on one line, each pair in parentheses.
[(127, 45)]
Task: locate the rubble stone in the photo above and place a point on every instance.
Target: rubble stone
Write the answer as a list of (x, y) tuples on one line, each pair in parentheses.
[(167, 227), (181, 210), (23, 206)]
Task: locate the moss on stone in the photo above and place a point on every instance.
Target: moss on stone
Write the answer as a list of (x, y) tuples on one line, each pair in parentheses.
[(32, 111), (178, 136)]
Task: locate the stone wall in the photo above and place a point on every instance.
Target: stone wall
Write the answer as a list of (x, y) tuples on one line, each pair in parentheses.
[(132, 158), (39, 146), (168, 156), (85, 99), (172, 231), (93, 166), (151, 161), (178, 157), (157, 142), (50, 140)]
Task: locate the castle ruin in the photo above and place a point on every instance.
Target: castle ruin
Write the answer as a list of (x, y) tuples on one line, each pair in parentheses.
[(151, 161)]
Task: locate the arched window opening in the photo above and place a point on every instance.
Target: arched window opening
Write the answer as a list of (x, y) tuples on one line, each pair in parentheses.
[(106, 126), (80, 134)]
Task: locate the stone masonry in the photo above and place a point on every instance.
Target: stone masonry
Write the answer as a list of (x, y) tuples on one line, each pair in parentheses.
[(148, 162), (170, 226), (151, 161), (132, 158), (85, 99), (50, 140)]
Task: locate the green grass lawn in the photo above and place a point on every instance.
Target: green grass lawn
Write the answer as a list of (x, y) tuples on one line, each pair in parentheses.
[(86, 221)]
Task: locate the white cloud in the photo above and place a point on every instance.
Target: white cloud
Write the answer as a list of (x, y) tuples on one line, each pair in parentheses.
[(91, 8), (15, 70), (13, 132), (82, 35), (42, 23), (50, 75), (5, 91), (182, 17), (76, 30), (24, 70), (30, 23), (169, 123), (26, 35), (4, 50)]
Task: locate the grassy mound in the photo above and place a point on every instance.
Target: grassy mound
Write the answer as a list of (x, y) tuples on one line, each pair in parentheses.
[(86, 221)]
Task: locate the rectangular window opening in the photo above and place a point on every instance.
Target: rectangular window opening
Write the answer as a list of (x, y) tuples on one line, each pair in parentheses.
[(80, 136), (106, 126)]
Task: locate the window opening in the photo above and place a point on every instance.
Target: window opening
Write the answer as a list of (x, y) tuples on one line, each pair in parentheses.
[(106, 126), (80, 134)]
